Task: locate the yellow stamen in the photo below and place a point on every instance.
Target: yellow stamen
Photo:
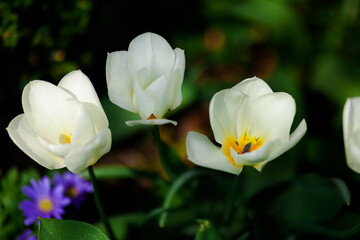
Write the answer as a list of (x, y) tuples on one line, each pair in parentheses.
[(63, 139), (243, 145), (46, 205)]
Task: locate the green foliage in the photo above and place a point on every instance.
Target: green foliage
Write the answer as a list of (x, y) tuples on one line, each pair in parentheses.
[(68, 229), (11, 218), (207, 231)]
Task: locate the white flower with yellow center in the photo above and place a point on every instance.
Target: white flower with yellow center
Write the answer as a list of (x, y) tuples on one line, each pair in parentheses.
[(62, 126), (252, 125), (146, 79), (351, 130)]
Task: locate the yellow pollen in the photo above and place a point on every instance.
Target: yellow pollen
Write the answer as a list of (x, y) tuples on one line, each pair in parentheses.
[(152, 117), (46, 205), (243, 145), (63, 139)]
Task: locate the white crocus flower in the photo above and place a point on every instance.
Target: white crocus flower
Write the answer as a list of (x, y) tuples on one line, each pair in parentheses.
[(62, 126), (252, 125), (351, 129), (146, 79)]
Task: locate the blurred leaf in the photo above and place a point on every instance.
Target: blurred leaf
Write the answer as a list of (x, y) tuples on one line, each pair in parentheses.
[(111, 172), (308, 199), (244, 236), (344, 190), (169, 159), (177, 184), (345, 226), (207, 231), (335, 77), (11, 217), (121, 223), (68, 229)]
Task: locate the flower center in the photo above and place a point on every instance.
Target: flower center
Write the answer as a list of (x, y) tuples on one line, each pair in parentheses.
[(71, 192), (46, 205), (65, 138), (243, 145)]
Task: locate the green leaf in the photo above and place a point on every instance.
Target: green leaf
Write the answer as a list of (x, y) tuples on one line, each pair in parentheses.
[(207, 231), (111, 172), (178, 183), (57, 229), (244, 236), (170, 161), (344, 226), (343, 189), (308, 199)]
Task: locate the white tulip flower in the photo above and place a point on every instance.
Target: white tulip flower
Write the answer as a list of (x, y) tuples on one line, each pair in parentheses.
[(252, 125), (351, 130), (62, 126), (146, 79)]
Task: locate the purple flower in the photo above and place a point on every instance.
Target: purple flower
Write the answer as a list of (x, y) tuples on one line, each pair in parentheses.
[(75, 187), (44, 202), (27, 235)]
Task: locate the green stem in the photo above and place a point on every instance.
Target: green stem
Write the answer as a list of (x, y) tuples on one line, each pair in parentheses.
[(162, 153), (231, 199), (103, 217)]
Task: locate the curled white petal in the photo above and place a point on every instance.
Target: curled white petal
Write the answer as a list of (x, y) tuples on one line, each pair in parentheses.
[(48, 109), (223, 112), (203, 152), (150, 122), (253, 87), (26, 139), (257, 156), (179, 70), (82, 157), (119, 82), (295, 137), (351, 130), (270, 116), (150, 51)]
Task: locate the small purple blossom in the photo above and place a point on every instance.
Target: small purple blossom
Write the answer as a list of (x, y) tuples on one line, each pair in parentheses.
[(75, 187), (44, 202), (27, 235)]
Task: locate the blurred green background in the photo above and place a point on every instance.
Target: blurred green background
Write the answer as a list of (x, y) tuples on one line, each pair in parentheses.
[(308, 48)]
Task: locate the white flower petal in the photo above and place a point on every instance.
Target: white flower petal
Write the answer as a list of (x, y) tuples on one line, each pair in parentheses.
[(352, 150), (152, 52), (49, 109), (119, 83), (83, 130), (143, 103), (26, 139), (253, 87), (351, 130), (158, 90), (257, 156), (80, 85), (59, 150), (81, 158), (295, 137), (178, 77), (150, 122), (202, 152), (222, 112), (270, 116)]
